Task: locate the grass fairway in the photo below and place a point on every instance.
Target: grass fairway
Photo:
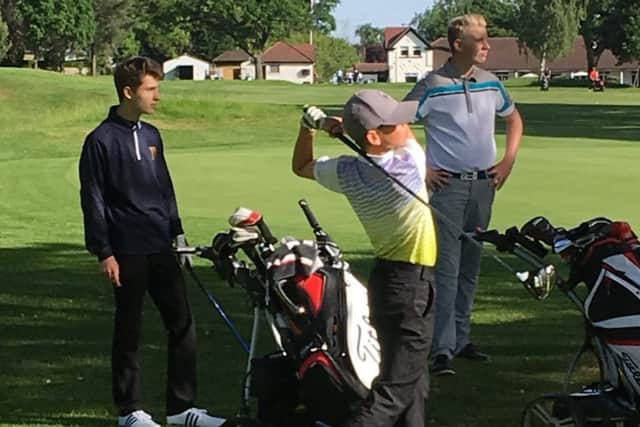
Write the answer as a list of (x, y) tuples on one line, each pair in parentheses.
[(229, 144)]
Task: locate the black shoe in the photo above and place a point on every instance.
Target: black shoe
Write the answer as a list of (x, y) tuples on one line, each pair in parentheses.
[(471, 352), (441, 366)]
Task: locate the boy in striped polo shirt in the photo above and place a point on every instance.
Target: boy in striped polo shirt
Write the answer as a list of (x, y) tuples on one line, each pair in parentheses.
[(402, 233)]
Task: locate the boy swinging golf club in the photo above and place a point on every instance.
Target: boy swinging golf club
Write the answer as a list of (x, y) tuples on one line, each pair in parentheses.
[(401, 231)]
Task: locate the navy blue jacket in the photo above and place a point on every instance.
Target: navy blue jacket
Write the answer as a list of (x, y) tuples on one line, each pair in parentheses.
[(126, 192)]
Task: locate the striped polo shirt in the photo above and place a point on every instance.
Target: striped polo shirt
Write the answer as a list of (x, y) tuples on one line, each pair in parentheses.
[(399, 227), (459, 117)]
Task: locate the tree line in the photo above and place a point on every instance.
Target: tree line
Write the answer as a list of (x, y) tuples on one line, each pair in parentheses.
[(547, 27), (101, 32)]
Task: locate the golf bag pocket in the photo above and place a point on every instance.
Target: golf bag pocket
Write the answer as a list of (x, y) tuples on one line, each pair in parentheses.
[(325, 394), (273, 383)]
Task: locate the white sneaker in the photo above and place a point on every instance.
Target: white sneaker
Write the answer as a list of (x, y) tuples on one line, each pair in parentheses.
[(137, 419), (195, 417)]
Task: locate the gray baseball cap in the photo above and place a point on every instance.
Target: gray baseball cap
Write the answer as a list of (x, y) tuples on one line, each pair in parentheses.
[(370, 108)]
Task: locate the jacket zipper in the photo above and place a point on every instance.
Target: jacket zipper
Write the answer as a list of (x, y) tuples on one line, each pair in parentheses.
[(135, 140)]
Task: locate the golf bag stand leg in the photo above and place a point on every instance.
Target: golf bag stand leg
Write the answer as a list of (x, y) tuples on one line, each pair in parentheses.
[(252, 355)]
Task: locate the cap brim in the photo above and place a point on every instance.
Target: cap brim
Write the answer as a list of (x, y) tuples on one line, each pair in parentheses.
[(405, 112)]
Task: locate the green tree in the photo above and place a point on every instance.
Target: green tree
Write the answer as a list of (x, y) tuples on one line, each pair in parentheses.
[(54, 27), (322, 18), (592, 28), (611, 24), (163, 27), (13, 19), (548, 27), (252, 23), (332, 53), (5, 43), (368, 35), (113, 20), (625, 42), (433, 22)]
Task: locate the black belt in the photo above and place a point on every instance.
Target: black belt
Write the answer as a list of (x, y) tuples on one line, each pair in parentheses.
[(471, 175)]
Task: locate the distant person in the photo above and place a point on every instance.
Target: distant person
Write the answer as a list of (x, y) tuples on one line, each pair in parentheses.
[(339, 76), (458, 105), (350, 77), (545, 80), (401, 231), (594, 77), (130, 220)]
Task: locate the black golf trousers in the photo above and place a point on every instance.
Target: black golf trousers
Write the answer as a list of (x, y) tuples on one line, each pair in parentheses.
[(401, 298), (160, 275)]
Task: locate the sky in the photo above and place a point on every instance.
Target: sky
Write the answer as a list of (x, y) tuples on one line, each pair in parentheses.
[(350, 14)]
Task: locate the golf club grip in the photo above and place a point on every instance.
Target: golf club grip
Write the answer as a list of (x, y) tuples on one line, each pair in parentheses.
[(266, 232), (311, 218)]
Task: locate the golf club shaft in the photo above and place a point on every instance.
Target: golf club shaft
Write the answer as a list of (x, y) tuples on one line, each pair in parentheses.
[(349, 143), (219, 309)]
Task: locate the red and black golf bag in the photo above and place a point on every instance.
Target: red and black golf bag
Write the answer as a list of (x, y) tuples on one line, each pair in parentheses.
[(319, 315), (604, 256)]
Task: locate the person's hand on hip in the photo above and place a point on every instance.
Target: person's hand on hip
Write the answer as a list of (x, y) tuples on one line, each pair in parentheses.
[(436, 179), (110, 267), (500, 173)]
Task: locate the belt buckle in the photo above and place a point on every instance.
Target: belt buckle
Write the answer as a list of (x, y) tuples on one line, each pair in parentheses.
[(469, 176)]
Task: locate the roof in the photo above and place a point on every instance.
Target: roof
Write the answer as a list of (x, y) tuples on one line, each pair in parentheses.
[(576, 60), (372, 67), (237, 55), (284, 52), (178, 58), (507, 53), (394, 34)]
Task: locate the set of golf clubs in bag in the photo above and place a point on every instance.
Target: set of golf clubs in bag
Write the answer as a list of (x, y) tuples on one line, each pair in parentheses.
[(328, 353)]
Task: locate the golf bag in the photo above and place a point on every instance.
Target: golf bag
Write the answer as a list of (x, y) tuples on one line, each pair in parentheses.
[(604, 256), (317, 311), (320, 318)]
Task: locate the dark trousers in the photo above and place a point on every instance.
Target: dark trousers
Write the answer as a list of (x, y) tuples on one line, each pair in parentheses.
[(160, 275), (401, 300)]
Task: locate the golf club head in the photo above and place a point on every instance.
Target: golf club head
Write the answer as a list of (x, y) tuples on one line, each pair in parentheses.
[(243, 236), (539, 283), (253, 220), (244, 217)]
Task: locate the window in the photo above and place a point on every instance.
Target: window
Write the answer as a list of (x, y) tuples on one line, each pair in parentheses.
[(404, 51), (502, 75), (305, 72), (417, 51), (274, 68)]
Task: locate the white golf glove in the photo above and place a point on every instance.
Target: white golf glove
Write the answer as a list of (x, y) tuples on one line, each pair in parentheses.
[(312, 118), (184, 259)]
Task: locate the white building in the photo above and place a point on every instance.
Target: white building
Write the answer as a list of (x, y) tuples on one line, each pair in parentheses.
[(408, 55), (234, 65), (186, 67), (290, 62)]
